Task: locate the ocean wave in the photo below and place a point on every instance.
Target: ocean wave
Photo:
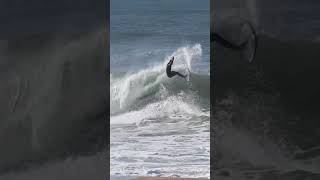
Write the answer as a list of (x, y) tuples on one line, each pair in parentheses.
[(167, 106), (130, 92), (127, 89)]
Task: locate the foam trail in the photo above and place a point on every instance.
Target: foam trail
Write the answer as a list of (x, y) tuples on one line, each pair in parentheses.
[(164, 108)]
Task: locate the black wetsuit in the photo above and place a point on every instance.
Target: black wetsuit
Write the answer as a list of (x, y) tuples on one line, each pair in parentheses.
[(170, 73)]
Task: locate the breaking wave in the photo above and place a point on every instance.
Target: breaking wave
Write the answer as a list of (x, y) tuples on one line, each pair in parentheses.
[(149, 93)]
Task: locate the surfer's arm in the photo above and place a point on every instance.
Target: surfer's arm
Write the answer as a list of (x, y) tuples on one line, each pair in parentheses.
[(171, 62)]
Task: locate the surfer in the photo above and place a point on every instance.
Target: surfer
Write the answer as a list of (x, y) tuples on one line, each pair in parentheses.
[(170, 73)]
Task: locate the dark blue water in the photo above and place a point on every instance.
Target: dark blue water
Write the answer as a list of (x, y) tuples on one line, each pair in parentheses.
[(144, 32)]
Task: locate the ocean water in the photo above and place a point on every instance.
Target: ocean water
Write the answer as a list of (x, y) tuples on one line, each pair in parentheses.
[(159, 126)]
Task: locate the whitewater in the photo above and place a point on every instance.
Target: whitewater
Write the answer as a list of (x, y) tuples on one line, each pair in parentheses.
[(160, 126)]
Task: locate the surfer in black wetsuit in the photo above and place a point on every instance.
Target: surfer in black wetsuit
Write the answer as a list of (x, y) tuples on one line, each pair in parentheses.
[(170, 73)]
